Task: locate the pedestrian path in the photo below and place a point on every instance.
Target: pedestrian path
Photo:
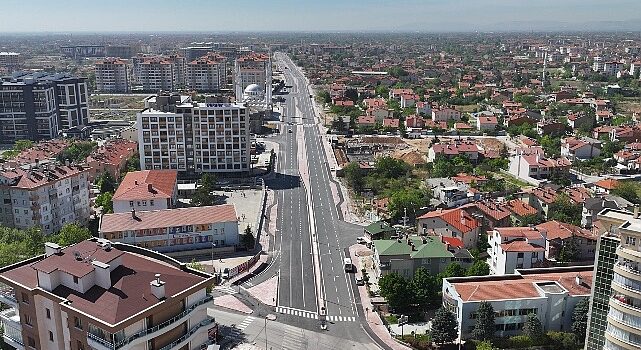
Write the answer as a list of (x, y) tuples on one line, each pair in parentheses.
[(226, 289), (247, 285), (293, 338), (296, 312), (236, 332)]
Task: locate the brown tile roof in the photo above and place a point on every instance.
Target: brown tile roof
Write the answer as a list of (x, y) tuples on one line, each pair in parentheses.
[(519, 232), (521, 246), (457, 218), (130, 293), (496, 211), (37, 177), (561, 230), (168, 218), (608, 184), (520, 208), (135, 185)]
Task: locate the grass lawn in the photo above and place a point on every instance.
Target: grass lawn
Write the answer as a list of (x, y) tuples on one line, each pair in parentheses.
[(466, 108)]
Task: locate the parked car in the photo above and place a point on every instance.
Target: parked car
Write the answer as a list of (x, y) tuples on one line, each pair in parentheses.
[(361, 240)]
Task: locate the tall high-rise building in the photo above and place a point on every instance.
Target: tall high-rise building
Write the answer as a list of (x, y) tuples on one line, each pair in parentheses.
[(253, 69), (112, 75), (72, 100), (207, 73), (102, 295), (615, 308), (194, 137)]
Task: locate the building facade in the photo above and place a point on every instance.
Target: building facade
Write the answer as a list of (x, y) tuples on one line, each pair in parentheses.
[(146, 190), (48, 196), (112, 75), (174, 230), (514, 248), (549, 293), (10, 61), (207, 73), (102, 295), (251, 69), (159, 73), (195, 137)]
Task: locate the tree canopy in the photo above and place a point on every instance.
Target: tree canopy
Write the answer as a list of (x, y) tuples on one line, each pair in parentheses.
[(444, 327), (485, 327), (395, 289), (533, 327), (580, 318), (565, 210), (78, 151)]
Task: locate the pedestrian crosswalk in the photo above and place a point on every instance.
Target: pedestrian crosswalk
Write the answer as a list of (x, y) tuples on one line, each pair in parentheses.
[(293, 338), (313, 315), (332, 318), (296, 312), (236, 332), (226, 289), (248, 284)]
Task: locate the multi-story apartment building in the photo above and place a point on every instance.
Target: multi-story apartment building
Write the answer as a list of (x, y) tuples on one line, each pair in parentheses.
[(623, 310), (195, 137), (159, 73), (10, 61), (207, 73), (174, 230), (48, 196), (102, 295), (27, 110), (146, 190), (253, 68), (514, 248), (549, 293), (112, 75), (37, 106), (78, 51)]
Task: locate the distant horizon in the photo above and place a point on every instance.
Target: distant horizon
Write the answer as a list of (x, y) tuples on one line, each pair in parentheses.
[(329, 16)]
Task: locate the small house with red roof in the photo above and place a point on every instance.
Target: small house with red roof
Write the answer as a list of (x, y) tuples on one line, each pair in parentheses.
[(514, 248), (604, 186), (486, 123), (146, 190), (535, 167), (456, 223), (561, 234)]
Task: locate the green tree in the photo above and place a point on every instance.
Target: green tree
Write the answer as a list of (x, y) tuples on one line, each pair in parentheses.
[(106, 182), (324, 96), (391, 168), (105, 200), (78, 151), (569, 250), (453, 270), (479, 268), (351, 94), (71, 234), (395, 289), (484, 328), (248, 238), (410, 199), (551, 146), (444, 327), (355, 176), (424, 288), (580, 318), (530, 219), (485, 345), (533, 327), (628, 190), (564, 210), (18, 146), (382, 90), (338, 124), (204, 193), (610, 147)]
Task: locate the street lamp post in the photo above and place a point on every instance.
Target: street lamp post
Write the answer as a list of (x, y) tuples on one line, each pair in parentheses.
[(213, 245), (265, 332)]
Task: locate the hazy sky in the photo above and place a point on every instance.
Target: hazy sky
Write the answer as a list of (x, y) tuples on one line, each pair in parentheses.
[(302, 15)]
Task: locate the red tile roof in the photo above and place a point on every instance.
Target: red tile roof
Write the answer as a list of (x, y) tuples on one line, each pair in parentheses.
[(452, 241), (608, 184), (521, 246), (457, 218), (520, 208), (545, 194), (519, 232), (496, 211), (561, 230), (135, 185), (37, 177), (118, 222)]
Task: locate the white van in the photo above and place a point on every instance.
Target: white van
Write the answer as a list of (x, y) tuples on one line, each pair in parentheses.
[(348, 265)]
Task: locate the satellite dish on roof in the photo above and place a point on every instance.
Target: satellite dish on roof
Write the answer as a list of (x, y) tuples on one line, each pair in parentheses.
[(77, 255)]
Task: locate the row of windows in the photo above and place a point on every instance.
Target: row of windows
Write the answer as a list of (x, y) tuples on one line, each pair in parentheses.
[(509, 312)]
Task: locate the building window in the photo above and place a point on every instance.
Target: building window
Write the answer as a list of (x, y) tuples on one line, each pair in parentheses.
[(630, 240), (48, 313), (50, 336), (77, 322), (27, 320), (131, 203), (519, 255), (75, 279)]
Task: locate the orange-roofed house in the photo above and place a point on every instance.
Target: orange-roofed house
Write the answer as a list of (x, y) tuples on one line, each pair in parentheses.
[(146, 190), (561, 234), (111, 157), (456, 223), (514, 248), (549, 293), (605, 185)]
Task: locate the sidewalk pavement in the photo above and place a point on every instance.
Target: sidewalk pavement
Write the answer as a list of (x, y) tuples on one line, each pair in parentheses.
[(373, 319), (231, 302), (265, 292)]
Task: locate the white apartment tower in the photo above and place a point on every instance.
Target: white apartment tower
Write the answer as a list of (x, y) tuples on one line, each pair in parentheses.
[(254, 68), (159, 73), (112, 75), (207, 73), (195, 137)]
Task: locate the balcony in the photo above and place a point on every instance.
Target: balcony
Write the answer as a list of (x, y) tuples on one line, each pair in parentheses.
[(97, 341), (180, 342), (11, 318), (7, 296), (13, 337)]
